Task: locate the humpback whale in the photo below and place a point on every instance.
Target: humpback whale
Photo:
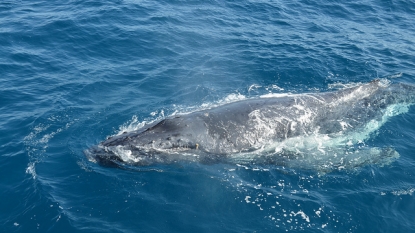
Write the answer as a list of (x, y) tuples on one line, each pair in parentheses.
[(271, 130)]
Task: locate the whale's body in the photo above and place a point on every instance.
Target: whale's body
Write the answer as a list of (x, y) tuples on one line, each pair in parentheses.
[(266, 128)]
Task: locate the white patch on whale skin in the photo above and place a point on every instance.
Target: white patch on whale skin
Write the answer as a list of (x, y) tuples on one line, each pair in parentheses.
[(263, 128), (125, 155), (344, 125)]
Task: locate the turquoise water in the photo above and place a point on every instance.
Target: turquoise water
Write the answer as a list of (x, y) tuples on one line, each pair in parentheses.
[(75, 72)]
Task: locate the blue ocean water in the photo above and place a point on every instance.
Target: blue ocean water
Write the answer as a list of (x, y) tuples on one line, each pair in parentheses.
[(75, 72)]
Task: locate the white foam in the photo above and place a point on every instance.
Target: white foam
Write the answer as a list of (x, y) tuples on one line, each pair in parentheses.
[(247, 199), (404, 192), (31, 170), (253, 86), (132, 125), (232, 98), (302, 214)]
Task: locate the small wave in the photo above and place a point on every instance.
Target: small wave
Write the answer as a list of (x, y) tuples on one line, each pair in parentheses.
[(37, 141)]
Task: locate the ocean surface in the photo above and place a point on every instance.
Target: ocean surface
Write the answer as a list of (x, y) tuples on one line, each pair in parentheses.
[(76, 72)]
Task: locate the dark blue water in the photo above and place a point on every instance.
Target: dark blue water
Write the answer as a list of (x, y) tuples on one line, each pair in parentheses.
[(75, 72)]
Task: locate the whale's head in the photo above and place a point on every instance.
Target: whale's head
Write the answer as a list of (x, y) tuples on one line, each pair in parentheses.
[(157, 142)]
